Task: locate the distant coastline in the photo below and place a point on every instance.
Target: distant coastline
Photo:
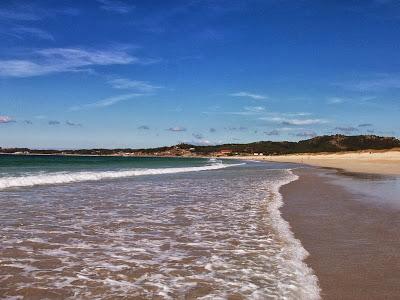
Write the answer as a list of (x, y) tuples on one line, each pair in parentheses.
[(320, 144)]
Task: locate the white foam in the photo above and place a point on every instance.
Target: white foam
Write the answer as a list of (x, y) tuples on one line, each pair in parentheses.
[(68, 177), (293, 251)]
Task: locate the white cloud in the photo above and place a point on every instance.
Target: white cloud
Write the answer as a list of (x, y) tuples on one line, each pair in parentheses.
[(107, 101), (123, 83), (255, 109), (335, 100), (56, 60), (176, 129), (6, 119), (249, 95), (295, 122), (201, 142)]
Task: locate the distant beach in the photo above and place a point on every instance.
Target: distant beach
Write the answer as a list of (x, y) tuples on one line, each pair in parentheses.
[(374, 162)]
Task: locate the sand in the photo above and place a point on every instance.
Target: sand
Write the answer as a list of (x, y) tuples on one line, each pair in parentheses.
[(353, 244), (379, 162)]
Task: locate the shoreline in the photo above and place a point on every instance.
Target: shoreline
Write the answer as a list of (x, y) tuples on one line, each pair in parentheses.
[(371, 162), (353, 243)]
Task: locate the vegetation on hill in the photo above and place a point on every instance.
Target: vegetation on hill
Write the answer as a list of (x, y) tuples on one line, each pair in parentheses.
[(326, 143), (332, 143)]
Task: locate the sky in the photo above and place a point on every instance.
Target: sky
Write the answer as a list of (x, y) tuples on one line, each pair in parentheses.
[(114, 73)]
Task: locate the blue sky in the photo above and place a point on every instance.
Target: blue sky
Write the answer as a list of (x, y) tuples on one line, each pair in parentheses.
[(111, 73)]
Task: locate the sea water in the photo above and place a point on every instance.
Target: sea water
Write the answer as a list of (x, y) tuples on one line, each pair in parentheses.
[(147, 228)]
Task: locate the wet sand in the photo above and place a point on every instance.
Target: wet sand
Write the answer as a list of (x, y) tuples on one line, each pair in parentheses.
[(354, 245)]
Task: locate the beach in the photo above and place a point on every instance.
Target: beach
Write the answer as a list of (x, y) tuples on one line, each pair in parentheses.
[(353, 237), (374, 162), (186, 228), (344, 208)]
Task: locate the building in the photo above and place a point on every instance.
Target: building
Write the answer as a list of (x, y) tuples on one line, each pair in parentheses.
[(224, 152)]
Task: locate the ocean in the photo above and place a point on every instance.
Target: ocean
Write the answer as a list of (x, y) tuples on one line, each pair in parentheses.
[(147, 228)]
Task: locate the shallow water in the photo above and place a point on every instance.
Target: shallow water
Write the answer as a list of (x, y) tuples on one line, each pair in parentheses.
[(213, 234), (379, 190)]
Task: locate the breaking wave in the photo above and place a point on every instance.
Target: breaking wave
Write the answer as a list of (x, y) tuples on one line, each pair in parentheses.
[(68, 177)]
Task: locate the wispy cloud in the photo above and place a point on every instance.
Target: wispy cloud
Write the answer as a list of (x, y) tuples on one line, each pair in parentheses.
[(21, 32), (107, 101), (212, 130), (123, 83), (6, 119), (54, 122), (306, 134), (249, 95), (336, 100), (144, 127), (379, 82), (247, 111), (349, 129), (177, 129), (28, 12), (69, 123), (240, 128), (17, 14), (272, 132), (255, 109), (295, 121), (365, 125), (56, 60), (116, 6), (28, 122), (201, 142), (198, 136)]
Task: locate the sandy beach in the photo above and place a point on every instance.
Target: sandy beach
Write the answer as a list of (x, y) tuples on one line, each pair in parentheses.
[(353, 238), (373, 162)]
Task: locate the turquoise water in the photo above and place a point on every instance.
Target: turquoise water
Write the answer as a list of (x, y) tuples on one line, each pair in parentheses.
[(22, 171), (54, 163)]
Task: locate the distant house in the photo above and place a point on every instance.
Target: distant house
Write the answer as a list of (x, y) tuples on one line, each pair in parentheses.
[(224, 152)]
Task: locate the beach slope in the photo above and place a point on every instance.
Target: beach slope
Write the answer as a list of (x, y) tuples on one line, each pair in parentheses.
[(378, 162)]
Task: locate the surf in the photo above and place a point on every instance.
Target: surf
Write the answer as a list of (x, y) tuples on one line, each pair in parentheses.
[(79, 176)]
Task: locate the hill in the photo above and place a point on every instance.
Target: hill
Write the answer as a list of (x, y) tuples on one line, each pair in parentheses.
[(326, 143)]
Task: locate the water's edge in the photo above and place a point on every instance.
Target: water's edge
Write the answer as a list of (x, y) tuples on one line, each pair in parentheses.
[(295, 252)]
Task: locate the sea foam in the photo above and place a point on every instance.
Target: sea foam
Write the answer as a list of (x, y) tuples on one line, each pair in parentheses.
[(68, 177), (293, 251)]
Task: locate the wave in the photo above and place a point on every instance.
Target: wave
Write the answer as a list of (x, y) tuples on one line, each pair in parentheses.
[(68, 177), (293, 251)]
